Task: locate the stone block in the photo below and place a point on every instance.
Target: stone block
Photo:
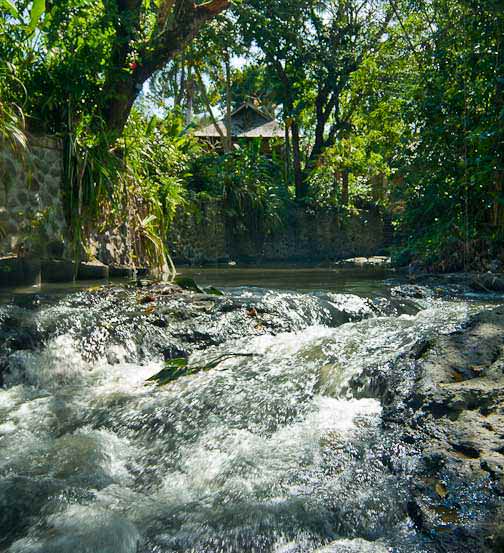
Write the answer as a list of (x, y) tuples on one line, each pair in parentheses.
[(92, 271), (16, 271), (120, 271), (57, 270)]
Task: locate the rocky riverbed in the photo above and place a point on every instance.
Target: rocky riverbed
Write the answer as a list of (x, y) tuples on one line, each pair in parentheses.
[(355, 424), (446, 396)]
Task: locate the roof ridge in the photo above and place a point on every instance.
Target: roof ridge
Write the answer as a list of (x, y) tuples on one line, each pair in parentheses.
[(255, 108)]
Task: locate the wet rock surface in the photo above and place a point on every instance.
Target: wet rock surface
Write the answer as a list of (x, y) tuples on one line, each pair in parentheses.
[(455, 284), (446, 398), (169, 320)]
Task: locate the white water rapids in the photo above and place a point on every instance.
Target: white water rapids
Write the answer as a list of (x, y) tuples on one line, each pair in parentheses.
[(264, 454)]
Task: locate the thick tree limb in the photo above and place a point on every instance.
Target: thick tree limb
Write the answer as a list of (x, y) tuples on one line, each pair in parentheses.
[(177, 24)]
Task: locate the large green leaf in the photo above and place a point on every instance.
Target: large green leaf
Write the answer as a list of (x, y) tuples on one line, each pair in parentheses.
[(10, 7), (187, 283), (38, 8), (176, 368)]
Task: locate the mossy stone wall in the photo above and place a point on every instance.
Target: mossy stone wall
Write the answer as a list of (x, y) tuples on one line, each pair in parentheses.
[(30, 195), (203, 235)]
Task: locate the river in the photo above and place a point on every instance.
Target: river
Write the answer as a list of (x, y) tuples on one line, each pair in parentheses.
[(280, 452)]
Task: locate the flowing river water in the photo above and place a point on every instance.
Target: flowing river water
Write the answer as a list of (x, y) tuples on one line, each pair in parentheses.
[(277, 452)]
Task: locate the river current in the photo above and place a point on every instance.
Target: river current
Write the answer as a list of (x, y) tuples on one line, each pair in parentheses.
[(271, 453)]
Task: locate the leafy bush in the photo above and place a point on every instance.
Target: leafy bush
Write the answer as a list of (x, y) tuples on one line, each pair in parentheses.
[(139, 180), (250, 184)]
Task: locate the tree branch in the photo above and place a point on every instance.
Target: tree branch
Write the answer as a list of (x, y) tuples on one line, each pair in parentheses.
[(178, 21), (209, 107)]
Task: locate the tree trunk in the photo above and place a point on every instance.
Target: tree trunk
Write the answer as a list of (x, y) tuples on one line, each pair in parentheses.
[(181, 88), (299, 181), (498, 211), (178, 22), (344, 188), (117, 110), (229, 138), (377, 185), (189, 113), (215, 123), (287, 158), (336, 184)]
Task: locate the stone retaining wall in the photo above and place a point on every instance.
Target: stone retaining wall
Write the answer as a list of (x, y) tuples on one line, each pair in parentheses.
[(198, 233), (30, 195), (32, 219), (202, 235)]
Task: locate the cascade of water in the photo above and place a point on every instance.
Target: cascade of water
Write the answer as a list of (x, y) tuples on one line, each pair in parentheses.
[(274, 453)]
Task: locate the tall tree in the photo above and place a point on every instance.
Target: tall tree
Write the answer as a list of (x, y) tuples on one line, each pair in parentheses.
[(96, 56), (453, 164), (144, 48), (312, 49)]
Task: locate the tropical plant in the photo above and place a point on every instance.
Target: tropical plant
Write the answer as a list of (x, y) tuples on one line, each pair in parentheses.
[(157, 154), (12, 119), (92, 58), (249, 183)]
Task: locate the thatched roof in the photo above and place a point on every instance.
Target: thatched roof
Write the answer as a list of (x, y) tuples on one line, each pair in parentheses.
[(246, 122)]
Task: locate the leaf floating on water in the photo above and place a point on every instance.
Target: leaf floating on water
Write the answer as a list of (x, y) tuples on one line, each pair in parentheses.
[(179, 367), (94, 289)]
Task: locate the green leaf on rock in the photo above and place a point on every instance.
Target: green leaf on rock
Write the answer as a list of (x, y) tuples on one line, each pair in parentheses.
[(187, 283), (176, 368), (212, 291)]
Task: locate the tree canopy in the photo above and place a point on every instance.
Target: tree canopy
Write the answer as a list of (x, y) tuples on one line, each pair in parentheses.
[(392, 103)]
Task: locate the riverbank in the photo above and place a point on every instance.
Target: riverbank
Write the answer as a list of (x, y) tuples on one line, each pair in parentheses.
[(446, 397)]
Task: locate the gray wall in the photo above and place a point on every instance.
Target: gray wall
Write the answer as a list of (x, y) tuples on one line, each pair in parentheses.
[(31, 207), (203, 236), (30, 193)]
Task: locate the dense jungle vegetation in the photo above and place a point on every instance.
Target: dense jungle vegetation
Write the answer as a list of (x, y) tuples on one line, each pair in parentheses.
[(395, 103)]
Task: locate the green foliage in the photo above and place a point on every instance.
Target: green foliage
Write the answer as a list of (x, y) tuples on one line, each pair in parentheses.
[(138, 181), (311, 51), (249, 183), (187, 283), (358, 157), (412, 91), (453, 166), (12, 120)]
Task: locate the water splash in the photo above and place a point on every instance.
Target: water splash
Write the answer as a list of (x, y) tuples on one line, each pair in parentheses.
[(264, 454)]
